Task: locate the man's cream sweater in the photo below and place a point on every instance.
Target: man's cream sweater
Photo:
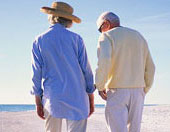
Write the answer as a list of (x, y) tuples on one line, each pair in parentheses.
[(124, 60)]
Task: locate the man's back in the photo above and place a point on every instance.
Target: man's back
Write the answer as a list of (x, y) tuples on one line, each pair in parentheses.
[(129, 55)]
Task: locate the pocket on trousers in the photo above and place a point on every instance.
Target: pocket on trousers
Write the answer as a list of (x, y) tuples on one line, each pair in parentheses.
[(143, 92), (110, 93)]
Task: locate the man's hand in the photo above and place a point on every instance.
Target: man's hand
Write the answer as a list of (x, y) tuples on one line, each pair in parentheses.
[(40, 111), (103, 94), (91, 101)]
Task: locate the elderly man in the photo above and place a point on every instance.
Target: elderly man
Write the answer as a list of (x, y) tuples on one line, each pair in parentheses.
[(60, 63), (126, 69)]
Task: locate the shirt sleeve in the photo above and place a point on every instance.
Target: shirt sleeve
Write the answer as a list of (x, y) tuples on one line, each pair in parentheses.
[(104, 54), (149, 71), (85, 66), (36, 70)]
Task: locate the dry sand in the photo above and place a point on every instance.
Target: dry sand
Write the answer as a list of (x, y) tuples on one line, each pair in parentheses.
[(155, 119)]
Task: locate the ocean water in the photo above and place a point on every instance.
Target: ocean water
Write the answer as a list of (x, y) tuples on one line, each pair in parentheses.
[(16, 107), (28, 107), (21, 107)]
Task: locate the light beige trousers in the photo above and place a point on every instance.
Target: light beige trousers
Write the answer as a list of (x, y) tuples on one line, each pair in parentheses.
[(55, 124), (124, 109)]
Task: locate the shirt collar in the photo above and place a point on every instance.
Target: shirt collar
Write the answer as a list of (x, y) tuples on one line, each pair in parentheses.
[(57, 25)]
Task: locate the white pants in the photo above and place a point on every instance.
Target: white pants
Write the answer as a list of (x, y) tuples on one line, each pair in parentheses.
[(124, 108), (55, 124)]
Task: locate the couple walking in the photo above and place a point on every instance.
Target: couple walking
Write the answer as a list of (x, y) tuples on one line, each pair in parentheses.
[(60, 63)]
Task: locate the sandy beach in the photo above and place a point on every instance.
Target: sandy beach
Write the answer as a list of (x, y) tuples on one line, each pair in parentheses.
[(155, 119)]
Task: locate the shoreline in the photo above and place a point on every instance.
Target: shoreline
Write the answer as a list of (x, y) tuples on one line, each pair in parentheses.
[(11, 107)]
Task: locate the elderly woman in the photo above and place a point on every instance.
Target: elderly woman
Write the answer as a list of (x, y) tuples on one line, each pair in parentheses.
[(60, 61)]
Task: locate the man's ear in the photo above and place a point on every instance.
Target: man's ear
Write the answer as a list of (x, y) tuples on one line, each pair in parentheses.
[(108, 26)]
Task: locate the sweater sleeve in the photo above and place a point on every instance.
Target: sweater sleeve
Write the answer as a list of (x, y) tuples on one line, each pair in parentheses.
[(104, 54), (149, 71)]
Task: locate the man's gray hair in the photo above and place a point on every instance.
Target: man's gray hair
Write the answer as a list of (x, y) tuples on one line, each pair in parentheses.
[(63, 21), (110, 16)]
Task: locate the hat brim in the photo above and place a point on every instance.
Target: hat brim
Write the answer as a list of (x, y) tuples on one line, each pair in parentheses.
[(56, 12)]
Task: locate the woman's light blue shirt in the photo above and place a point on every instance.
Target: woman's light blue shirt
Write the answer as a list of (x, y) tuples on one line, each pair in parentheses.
[(61, 73)]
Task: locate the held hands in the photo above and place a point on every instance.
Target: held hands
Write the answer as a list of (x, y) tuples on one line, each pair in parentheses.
[(103, 94)]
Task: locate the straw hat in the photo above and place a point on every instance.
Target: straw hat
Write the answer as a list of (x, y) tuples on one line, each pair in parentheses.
[(61, 9)]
